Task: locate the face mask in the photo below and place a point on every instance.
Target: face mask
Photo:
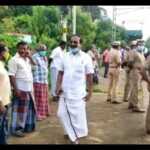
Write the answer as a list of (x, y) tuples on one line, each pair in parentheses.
[(74, 50), (139, 48), (43, 53)]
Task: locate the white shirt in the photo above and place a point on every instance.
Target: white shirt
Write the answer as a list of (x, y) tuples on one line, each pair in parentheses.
[(56, 55), (75, 68), (21, 70)]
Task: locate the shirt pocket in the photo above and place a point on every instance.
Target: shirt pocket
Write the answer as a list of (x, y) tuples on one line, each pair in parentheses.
[(20, 67), (78, 73)]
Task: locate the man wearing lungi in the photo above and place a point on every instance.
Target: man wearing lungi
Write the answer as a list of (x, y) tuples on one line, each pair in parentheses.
[(23, 108), (5, 93), (75, 71), (40, 80)]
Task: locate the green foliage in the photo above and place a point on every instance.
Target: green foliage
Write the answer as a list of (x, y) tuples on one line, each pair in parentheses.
[(85, 28), (8, 24), (20, 10), (45, 21), (22, 24), (104, 34), (10, 41), (44, 24)]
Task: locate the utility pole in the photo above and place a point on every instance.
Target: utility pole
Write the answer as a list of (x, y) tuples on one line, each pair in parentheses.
[(114, 23), (74, 19), (64, 36)]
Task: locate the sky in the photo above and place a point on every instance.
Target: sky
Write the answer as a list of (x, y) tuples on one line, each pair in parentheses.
[(132, 17)]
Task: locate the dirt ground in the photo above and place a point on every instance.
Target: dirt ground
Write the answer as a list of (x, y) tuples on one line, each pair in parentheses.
[(107, 123)]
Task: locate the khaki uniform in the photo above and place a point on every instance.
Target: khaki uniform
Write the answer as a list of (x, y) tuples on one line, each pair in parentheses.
[(113, 73), (127, 88), (137, 61), (147, 123)]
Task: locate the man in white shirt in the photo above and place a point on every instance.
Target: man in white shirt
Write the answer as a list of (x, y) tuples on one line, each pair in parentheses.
[(23, 106), (54, 60), (75, 71), (5, 93)]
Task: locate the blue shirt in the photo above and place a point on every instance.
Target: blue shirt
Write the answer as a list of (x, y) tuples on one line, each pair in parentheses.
[(40, 70)]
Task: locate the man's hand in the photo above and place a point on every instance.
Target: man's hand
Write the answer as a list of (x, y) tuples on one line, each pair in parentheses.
[(2, 108), (17, 93), (28, 54), (88, 97), (58, 91)]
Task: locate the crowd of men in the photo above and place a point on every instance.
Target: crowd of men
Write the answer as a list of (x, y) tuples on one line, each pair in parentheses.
[(24, 84)]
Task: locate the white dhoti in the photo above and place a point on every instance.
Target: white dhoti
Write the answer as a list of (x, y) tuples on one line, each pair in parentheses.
[(54, 74), (73, 117)]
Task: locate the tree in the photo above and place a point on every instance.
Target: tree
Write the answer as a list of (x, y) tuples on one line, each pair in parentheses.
[(45, 22), (8, 24), (4, 11), (20, 10), (85, 28), (22, 24), (103, 34)]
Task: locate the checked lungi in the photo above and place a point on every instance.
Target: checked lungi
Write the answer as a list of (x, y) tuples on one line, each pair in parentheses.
[(4, 128), (23, 113), (41, 100)]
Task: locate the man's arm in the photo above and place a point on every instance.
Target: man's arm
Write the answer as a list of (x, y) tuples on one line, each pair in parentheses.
[(89, 78), (144, 75), (59, 83), (28, 54), (49, 61), (13, 83)]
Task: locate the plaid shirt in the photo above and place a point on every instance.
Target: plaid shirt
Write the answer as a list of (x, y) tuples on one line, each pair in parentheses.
[(40, 70)]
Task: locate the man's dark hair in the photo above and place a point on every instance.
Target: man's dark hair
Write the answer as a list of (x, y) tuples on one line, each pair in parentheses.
[(62, 43), (21, 43), (2, 47), (115, 46), (78, 36)]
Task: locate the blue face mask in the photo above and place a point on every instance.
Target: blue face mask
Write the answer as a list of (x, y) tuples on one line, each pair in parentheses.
[(74, 50)]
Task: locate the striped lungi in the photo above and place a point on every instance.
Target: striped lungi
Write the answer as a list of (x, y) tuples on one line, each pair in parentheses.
[(23, 113), (41, 100)]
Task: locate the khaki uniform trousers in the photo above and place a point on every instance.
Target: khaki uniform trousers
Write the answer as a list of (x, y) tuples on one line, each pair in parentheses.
[(127, 88), (135, 80), (113, 77), (147, 123)]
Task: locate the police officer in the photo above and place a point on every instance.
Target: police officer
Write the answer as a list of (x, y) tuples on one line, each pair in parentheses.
[(141, 47), (135, 62), (145, 72), (114, 71), (127, 71)]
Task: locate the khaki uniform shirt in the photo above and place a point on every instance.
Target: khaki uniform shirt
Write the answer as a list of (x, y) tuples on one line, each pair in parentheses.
[(115, 58)]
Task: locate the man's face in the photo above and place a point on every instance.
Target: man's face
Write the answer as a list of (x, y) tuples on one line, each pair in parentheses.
[(22, 50), (63, 47), (75, 42), (2, 55)]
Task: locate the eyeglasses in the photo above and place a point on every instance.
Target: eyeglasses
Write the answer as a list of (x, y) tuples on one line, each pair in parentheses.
[(75, 42)]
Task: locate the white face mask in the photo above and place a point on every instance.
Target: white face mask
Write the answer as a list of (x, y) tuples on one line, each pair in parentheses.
[(74, 50)]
